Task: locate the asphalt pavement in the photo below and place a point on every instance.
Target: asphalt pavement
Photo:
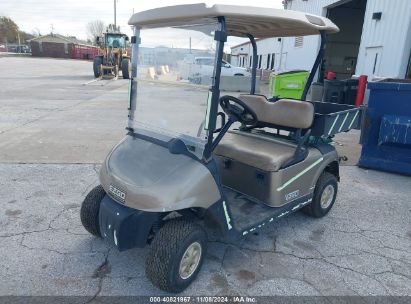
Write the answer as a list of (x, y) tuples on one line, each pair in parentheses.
[(56, 128)]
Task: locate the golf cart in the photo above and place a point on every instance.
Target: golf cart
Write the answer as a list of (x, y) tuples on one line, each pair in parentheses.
[(186, 169)]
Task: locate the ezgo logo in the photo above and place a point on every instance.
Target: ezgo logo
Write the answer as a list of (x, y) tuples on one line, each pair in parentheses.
[(292, 195), (117, 193)]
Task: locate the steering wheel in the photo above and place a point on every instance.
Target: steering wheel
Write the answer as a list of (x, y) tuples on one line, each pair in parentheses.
[(238, 109)]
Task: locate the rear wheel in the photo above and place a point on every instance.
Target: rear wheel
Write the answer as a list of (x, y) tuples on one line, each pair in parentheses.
[(325, 194), (97, 66), (90, 210), (176, 255), (126, 68)]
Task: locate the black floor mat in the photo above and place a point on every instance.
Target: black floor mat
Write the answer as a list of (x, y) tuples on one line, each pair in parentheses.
[(246, 212)]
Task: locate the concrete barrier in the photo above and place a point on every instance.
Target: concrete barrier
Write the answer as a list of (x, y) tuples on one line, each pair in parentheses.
[(163, 70), (151, 73), (238, 84), (229, 83)]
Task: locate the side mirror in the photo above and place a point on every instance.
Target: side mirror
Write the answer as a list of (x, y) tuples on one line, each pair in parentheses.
[(227, 65), (222, 120)]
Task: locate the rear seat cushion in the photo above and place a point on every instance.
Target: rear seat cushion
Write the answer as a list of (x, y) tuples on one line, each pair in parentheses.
[(266, 154), (284, 112)]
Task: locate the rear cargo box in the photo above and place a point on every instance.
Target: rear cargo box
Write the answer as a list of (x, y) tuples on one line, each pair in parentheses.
[(333, 118)]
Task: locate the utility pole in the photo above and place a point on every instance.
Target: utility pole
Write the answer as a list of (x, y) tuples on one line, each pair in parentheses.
[(190, 45), (115, 15), (18, 38)]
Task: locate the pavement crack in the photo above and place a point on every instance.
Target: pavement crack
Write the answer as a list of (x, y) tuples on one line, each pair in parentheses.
[(100, 273), (22, 233), (393, 273)]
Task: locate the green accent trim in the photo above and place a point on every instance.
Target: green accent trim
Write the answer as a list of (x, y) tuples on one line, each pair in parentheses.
[(227, 217), (300, 174), (208, 112), (332, 127), (355, 116), (129, 93), (345, 118)]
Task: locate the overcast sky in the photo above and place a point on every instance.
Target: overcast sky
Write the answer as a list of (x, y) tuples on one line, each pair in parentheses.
[(69, 17)]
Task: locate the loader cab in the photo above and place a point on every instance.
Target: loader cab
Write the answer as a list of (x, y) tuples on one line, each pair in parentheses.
[(117, 41)]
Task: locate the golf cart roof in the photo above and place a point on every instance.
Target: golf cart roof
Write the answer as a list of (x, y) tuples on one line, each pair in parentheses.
[(240, 20)]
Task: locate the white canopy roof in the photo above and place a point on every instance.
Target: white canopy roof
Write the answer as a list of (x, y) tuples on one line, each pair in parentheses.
[(241, 20)]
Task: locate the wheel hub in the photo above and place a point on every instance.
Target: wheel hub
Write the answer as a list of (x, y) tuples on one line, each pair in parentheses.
[(327, 196), (191, 259)]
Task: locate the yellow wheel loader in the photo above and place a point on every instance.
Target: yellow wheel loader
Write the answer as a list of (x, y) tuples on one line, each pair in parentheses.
[(113, 56)]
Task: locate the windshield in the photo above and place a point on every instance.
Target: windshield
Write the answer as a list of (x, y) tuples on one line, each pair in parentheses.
[(116, 41), (173, 90)]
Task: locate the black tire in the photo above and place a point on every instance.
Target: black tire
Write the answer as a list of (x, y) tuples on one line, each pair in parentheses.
[(166, 253), (126, 68), (90, 209), (315, 209), (97, 67)]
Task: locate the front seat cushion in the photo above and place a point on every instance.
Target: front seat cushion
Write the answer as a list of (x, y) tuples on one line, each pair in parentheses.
[(255, 150)]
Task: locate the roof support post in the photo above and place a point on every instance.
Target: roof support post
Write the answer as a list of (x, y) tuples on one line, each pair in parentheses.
[(315, 66), (221, 37), (254, 64), (132, 90)]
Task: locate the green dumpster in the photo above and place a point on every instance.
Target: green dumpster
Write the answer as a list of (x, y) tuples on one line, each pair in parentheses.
[(288, 84)]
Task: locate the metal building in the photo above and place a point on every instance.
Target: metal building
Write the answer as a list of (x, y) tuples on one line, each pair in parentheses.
[(375, 39), (59, 46)]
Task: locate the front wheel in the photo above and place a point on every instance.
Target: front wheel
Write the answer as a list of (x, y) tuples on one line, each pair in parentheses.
[(97, 66), (126, 68), (176, 255), (325, 194), (90, 210)]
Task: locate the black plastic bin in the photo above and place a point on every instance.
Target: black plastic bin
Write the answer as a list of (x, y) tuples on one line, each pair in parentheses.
[(333, 91), (350, 91)]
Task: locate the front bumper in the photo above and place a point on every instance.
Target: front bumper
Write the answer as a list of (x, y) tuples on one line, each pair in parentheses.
[(125, 227)]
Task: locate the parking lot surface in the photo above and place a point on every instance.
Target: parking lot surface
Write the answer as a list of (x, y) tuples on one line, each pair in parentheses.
[(54, 132)]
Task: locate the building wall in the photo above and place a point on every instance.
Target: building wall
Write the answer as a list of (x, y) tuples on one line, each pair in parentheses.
[(265, 48), (51, 49), (237, 53), (390, 37), (303, 57)]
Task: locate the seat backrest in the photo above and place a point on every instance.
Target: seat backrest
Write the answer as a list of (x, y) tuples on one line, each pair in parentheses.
[(288, 113)]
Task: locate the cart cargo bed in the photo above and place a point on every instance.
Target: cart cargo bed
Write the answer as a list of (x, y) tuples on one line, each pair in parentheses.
[(333, 118)]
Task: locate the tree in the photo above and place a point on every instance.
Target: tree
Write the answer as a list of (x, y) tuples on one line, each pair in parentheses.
[(8, 30), (25, 36), (95, 28), (10, 33)]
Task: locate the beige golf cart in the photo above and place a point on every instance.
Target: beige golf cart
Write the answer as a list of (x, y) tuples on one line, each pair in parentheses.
[(194, 162)]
